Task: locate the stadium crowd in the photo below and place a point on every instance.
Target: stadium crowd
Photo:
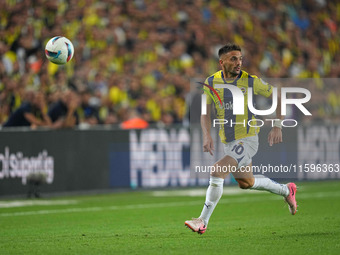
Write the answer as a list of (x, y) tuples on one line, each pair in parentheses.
[(137, 58)]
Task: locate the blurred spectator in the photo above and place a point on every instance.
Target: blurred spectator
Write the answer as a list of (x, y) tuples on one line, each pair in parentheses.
[(32, 112), (64, 112), (141, 55), (134, 121), (88, 111)]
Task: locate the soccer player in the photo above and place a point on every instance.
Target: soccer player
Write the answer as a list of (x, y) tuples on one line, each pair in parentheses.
[(240, 141)]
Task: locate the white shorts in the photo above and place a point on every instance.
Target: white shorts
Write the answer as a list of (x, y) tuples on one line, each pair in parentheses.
[(242, 150)]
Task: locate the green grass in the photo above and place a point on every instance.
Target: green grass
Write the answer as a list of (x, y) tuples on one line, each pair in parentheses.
[(140, 223)]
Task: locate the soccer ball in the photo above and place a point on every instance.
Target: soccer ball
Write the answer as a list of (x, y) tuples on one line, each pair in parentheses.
[(59, 50)]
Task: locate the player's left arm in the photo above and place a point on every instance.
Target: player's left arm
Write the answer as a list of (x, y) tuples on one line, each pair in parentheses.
[(265, 89)]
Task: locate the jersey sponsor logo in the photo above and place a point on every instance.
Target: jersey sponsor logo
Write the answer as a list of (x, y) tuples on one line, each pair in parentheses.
[(228, 105)]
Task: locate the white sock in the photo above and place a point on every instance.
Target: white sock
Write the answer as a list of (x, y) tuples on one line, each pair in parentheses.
[(214, 193), (263, 183)]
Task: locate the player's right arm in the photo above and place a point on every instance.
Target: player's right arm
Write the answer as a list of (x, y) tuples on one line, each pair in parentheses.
[(263, 88), (208, 144)]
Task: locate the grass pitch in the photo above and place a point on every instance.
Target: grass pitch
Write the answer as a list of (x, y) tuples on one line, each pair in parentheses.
[(244, 222)]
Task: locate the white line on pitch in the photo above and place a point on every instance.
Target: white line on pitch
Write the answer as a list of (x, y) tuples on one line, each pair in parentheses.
[(251, 199), (21, 203), (227, 191)]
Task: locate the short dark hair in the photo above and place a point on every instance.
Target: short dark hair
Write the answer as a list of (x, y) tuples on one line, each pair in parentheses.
[(227, 48)]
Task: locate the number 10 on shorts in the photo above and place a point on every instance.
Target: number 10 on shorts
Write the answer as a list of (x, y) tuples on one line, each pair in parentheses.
[(238, 148)]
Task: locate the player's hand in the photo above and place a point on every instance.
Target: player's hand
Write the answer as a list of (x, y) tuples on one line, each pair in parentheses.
[(208, 144), (275, 136)]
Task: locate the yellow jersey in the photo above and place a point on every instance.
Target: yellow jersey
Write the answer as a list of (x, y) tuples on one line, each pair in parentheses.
[(243, 81)]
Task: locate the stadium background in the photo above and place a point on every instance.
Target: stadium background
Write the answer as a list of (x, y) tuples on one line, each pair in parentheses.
[(136, 59)]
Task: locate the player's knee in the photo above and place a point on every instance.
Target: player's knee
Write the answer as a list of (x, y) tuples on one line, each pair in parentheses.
[(218, 174), (245, 184)]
